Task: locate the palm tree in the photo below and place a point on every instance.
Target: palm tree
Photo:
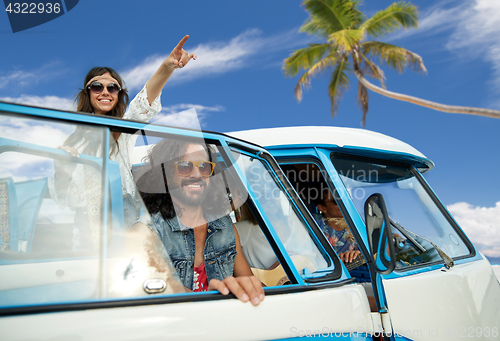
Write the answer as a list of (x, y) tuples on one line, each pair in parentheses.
[(347, 51)]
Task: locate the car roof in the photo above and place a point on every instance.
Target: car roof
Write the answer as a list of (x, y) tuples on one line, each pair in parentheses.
[(353, 138), (317, 135)]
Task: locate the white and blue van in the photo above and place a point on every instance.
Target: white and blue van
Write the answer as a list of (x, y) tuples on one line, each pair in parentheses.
[(67, 271), (434, 284)]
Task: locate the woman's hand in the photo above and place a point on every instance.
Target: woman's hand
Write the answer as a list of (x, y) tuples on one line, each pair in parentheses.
[(245, 288), (179, 58), (70, 150), (64, 169)]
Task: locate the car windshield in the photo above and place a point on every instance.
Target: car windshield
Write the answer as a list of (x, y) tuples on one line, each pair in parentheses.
[(415, 215)]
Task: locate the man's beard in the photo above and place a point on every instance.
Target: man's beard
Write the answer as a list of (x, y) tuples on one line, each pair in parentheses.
[(190, 200)]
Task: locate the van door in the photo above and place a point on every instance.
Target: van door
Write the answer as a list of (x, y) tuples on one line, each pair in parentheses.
[(440, 288)]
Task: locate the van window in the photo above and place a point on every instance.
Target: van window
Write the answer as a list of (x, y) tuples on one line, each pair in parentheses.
[(45, 185), (309, 180), (61, 237), (276, 206), (415, 215)]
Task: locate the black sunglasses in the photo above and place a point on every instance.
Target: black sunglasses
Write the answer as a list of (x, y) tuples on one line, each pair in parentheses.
[(97, 88)]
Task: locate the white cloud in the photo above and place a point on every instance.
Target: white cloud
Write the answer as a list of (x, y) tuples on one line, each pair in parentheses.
[(52, 102), (185, 115), (218, 57), (477, 25), (23, 78), (471, 24), (473, 27), (44, 133), (472, 31), (17, 78), (481, 224), (213, 58), (476, 33), (37, 133), (201, 109), (22, 166), (434, 20)]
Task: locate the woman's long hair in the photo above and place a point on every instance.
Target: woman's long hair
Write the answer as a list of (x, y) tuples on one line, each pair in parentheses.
[(81, 136), (83, 97)]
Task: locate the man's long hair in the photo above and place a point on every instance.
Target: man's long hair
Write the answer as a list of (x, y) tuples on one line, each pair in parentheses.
[(153, 186)]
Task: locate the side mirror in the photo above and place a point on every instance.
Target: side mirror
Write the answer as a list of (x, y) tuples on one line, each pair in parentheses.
[(379, 233)]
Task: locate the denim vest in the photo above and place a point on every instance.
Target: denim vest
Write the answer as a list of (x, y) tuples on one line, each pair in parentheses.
[(178, 239)]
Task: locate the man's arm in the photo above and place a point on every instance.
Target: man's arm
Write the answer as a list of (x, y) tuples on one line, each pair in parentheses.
[(241, 267), (244, 285)]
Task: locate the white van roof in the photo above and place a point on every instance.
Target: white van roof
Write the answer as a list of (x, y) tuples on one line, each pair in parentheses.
[(318, 135)]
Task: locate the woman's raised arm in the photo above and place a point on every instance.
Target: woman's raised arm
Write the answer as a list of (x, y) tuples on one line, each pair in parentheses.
[(178, 58)]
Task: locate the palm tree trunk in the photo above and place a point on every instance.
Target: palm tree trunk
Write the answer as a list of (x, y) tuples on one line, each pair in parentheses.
[(433, 105)]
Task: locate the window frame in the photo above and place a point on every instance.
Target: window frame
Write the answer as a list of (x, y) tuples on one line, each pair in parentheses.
[(303, 213), (112, 124)]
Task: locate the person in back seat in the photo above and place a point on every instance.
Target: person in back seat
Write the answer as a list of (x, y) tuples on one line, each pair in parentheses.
[(256, 247), (334, 227)]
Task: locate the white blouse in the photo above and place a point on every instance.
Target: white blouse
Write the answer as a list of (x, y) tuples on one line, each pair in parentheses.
[(74, 195)]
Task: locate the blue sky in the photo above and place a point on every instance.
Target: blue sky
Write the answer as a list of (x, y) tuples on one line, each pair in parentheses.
[(237, 82)]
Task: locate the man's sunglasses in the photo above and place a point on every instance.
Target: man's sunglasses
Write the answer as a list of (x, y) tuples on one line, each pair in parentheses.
[(185, 168), (97, 88)]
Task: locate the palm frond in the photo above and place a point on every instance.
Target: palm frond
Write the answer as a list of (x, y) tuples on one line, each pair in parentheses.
[(305, 58), (346, 39), (339, 82), (358, 15), (312, 27), (333, 15), (304, 81), (396, 16), (394, 56), (372, 70), (362, 101)]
